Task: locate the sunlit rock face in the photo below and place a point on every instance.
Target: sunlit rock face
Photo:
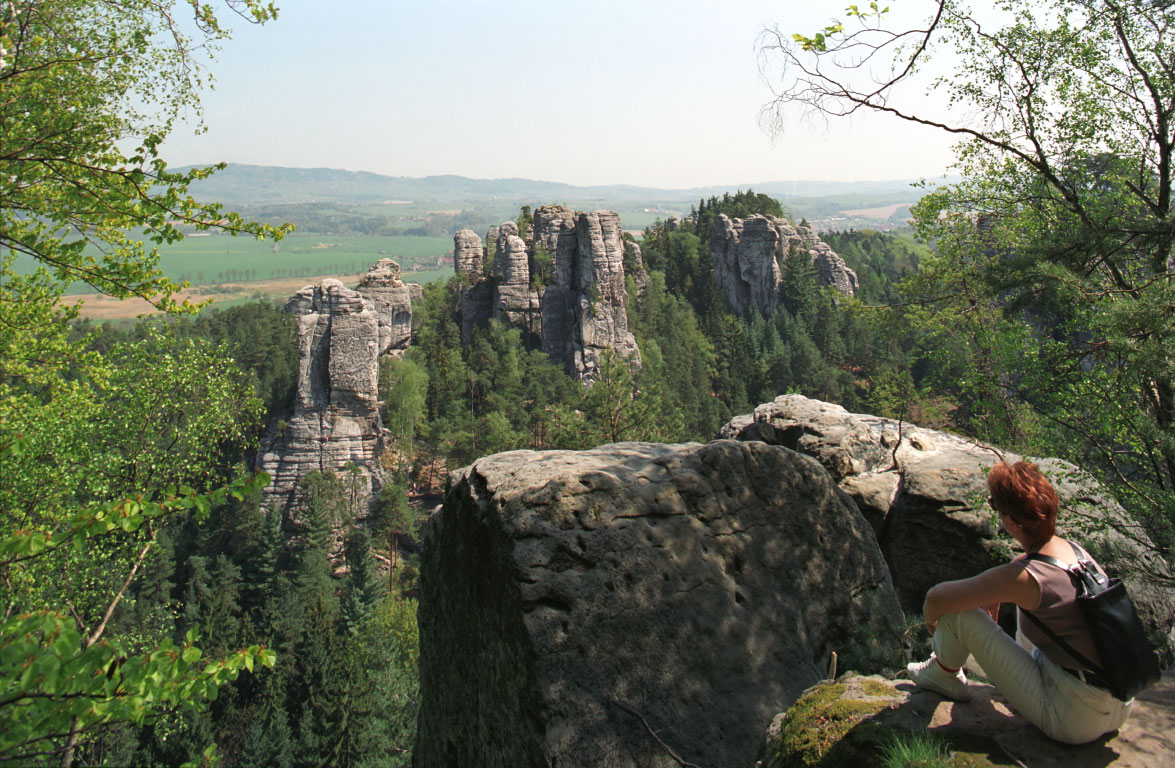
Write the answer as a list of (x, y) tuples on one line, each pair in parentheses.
[(392, 300), (925, 494), (468, 254), (701, 586), (574, 310), (335, 420), (747, 257), (600, 320), (744, 254)]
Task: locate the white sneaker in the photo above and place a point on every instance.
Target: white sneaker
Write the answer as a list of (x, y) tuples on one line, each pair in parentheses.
[(929, 675)]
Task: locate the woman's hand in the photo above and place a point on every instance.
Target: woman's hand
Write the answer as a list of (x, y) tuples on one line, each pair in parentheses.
[(992, 610)]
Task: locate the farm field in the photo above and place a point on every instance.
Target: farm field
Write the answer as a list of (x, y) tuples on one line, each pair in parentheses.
[(202, 260), (213, 259), (100, 307)]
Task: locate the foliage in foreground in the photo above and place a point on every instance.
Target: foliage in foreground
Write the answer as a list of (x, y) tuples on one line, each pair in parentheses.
[(1048, 305)]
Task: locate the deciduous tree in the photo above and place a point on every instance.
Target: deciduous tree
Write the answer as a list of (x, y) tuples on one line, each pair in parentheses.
[(1055, 276)]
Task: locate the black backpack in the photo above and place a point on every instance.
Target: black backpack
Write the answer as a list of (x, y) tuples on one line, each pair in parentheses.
[(1129, 664)]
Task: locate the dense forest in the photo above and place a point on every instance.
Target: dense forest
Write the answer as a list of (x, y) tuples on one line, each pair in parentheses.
[(156, 613)]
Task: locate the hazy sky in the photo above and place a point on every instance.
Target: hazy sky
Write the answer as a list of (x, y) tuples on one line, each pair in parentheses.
[(648, 92)]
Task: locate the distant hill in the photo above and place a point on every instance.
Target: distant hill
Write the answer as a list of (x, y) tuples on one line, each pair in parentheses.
[(267, 185)]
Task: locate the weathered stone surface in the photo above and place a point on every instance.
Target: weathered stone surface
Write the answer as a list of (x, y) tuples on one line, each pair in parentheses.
[(514, 302), (598, 281), (745, 265), (831, 271), (335, 418), (700, 586), (927, 500), (846, 722), (581, 311), (747, 257), (554, 232), (511, 263), (392, 300), (634, 266), (468, 254), (519, 306)]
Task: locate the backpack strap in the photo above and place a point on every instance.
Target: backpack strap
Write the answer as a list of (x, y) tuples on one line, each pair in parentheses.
[(1091, 570), (1077, 582), (1051, 561), (1064, 645)]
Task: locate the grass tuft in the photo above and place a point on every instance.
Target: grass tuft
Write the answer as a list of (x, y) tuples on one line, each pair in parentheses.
[(915, 750)]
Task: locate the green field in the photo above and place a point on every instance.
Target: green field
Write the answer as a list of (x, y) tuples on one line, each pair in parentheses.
[(207, 260), (220, 258)]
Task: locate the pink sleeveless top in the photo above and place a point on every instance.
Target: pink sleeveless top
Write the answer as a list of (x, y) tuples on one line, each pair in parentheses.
[(1059, 610)]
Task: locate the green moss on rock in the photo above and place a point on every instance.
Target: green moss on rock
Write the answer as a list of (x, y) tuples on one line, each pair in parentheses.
[(815, 728), (847, 723)]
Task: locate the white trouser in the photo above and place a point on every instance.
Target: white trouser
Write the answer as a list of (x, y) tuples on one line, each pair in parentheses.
[(1052, 699)]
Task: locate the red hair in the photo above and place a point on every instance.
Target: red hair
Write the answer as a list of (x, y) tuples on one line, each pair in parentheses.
[(1024, 494)]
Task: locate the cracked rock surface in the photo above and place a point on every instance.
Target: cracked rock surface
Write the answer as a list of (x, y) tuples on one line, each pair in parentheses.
[(924, 492), (748, 253), (701, 586), (392, 300), (581, 311), (335, 417)]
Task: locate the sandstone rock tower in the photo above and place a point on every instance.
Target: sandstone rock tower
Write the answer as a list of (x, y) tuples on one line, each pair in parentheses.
[(580, 311), (747, 254), (335, 418), (392, 300)]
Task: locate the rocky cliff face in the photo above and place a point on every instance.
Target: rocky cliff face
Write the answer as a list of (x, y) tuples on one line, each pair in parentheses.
[(468, 254), (566, 595), (514, 301), (336, 417), (925, 494), (747, 255), (580, 312), (476, 299), (599, 320), (392, 300)]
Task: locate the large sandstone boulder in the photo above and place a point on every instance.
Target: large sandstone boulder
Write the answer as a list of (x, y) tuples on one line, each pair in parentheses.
[(392, 300), (570, 601), (335, 419), (924, 492), (849, 721)]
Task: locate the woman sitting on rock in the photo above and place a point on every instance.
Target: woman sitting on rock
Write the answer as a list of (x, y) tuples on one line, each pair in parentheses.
[(1046, 685)]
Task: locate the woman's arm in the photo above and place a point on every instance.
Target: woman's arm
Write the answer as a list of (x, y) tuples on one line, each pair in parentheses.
[(1008, 583)]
